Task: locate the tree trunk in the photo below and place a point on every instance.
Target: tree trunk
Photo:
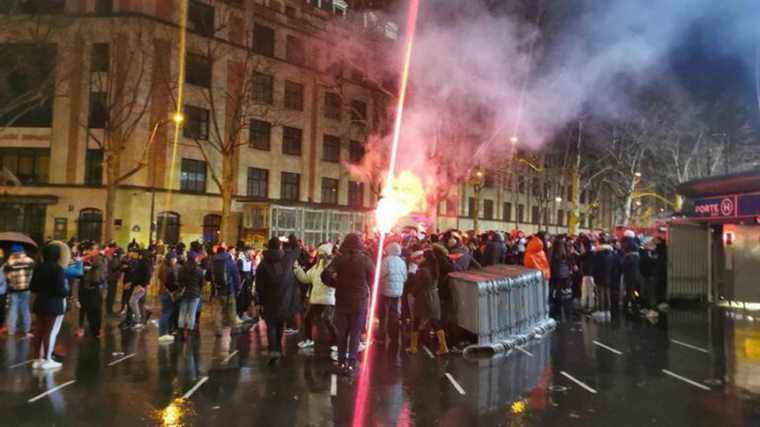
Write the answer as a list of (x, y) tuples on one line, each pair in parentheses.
[(227, 189), (628, 203), (476, 213), (678, 203), (575, 202)]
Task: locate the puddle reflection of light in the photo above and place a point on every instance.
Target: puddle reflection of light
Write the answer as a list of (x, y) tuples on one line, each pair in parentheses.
[(518, 407), (175, 413)]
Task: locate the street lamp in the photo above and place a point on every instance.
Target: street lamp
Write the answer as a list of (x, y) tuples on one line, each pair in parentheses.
[(558, 199), (514, 139), (178, 118), (477, 181), (637, 174)]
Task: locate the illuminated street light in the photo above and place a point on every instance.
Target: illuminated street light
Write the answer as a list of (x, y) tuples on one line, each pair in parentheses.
[(638, 203), (558, 199), (513, 140), (637, 174), (178, 118)]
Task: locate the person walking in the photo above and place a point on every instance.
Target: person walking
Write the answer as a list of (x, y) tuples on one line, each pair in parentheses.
[(321, 309), (190, 280), (392, 278), (226, 279), (169, 296), (137, 280), (276, 293), (18, 271), (351, 275)]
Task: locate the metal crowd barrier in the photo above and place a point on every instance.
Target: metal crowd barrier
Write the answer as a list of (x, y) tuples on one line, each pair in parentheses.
[(504, 305)]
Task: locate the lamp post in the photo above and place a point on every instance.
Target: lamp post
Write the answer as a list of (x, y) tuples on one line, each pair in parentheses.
[(476, 180)]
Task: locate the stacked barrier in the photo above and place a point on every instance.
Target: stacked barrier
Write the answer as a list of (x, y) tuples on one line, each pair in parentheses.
[(504, 305)]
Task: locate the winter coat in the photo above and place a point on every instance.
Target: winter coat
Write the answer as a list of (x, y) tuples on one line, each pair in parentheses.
[(272, 286), (560, 268), (495, 251), (138, 273), (114, 268), (95, 273), (427, 303), (631, 268), (604, 263), (463, 260), (231, 270), (18, 272), (535, 257), (393, 272), (353, 271), (190, 279), (321, 294), (49, 284), (445, 266)]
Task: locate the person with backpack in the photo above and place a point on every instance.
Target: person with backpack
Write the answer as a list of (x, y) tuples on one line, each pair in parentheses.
[(276, 294), (226, 280)]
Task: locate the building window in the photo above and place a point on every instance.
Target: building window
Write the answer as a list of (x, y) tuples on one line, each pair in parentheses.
[(536, 187), (582, 221), (290, 186), (293, 95), (590, 221), (28, 166), (198, 70), (100, 57), (260, 134), (534, 214), (332, 106), (331, 149), (98, 117), (487, 209), (27, 68), (193, 176), (103, 7), (294, 50), (560, 217), (471, 207), (291, 140), (521, 213), (355, 194), (358, 111), (521, 184), (212, 223), (93, 167), (263, 40), (258, 183), (506, 211), (90, 225), (330, 191), (451, 205), (355, 152), (262, 88), (200, 18), (167, 227), (196, 123)]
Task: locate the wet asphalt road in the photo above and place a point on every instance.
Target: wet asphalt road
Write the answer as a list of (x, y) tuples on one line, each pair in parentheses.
[(692, 368)]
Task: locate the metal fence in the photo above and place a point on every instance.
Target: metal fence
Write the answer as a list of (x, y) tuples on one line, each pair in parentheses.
[(504, 305)]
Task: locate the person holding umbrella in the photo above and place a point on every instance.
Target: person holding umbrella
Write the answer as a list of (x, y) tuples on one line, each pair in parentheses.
[(18, 272)]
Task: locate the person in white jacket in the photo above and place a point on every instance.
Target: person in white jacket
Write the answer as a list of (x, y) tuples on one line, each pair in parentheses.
[(321, 304), (393, 274)]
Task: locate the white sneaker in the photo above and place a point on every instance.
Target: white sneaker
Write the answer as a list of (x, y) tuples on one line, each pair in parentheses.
[(138, 326), (166, 339), (305, 344), (607, 316), (289, 331), (37, 364), (334, 348), (50, 364)]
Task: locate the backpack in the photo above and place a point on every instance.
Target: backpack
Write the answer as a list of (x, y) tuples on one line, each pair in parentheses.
[(219, 274)]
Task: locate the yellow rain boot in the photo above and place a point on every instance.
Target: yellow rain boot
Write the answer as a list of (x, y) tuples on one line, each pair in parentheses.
[(414, 340), (442, 347)]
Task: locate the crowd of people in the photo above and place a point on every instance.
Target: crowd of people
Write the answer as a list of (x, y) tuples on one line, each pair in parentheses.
[(322, 293)]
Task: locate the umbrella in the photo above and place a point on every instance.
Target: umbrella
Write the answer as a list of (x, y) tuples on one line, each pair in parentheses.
[(13, 237)]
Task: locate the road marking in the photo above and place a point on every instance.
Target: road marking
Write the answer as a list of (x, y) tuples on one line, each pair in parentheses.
[(333, 385), (429, 353), (521, 348), (227, 359), (606, 347), (195, 387), (455, 384), (16, 365), (52, 390), (121, 359), (577, 381), (693, 347), (686, 380)]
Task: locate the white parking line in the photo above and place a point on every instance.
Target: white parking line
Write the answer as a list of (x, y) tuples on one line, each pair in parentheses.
[(121, 359), (577, 381), (227, 359), (429, 353), (693, 347), (522, 349), (455, 384), (16, 365), (333, 385), (606, 347), (195, 387), (686, 380), (52, 390)]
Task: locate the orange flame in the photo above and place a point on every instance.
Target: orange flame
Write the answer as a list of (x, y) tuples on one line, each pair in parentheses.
[(405, 195)]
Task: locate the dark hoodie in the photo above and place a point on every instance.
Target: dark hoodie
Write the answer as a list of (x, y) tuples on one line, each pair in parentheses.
[(273, 284), (354, 271), (49, 283), (495, 251), (631, 263)]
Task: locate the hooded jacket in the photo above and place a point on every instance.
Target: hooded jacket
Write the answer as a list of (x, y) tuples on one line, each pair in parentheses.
[(393, 272), (353, 276), (49, 283), (190, 279), (604, 265), (275, 291), (535, 257)]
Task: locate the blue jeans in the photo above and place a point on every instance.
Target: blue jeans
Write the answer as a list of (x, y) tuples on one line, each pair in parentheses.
[(19, 303), (187, 308), (349, 326), (167, 310)]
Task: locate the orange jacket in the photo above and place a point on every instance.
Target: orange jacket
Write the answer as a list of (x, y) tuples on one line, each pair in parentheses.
[(535, 257)]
